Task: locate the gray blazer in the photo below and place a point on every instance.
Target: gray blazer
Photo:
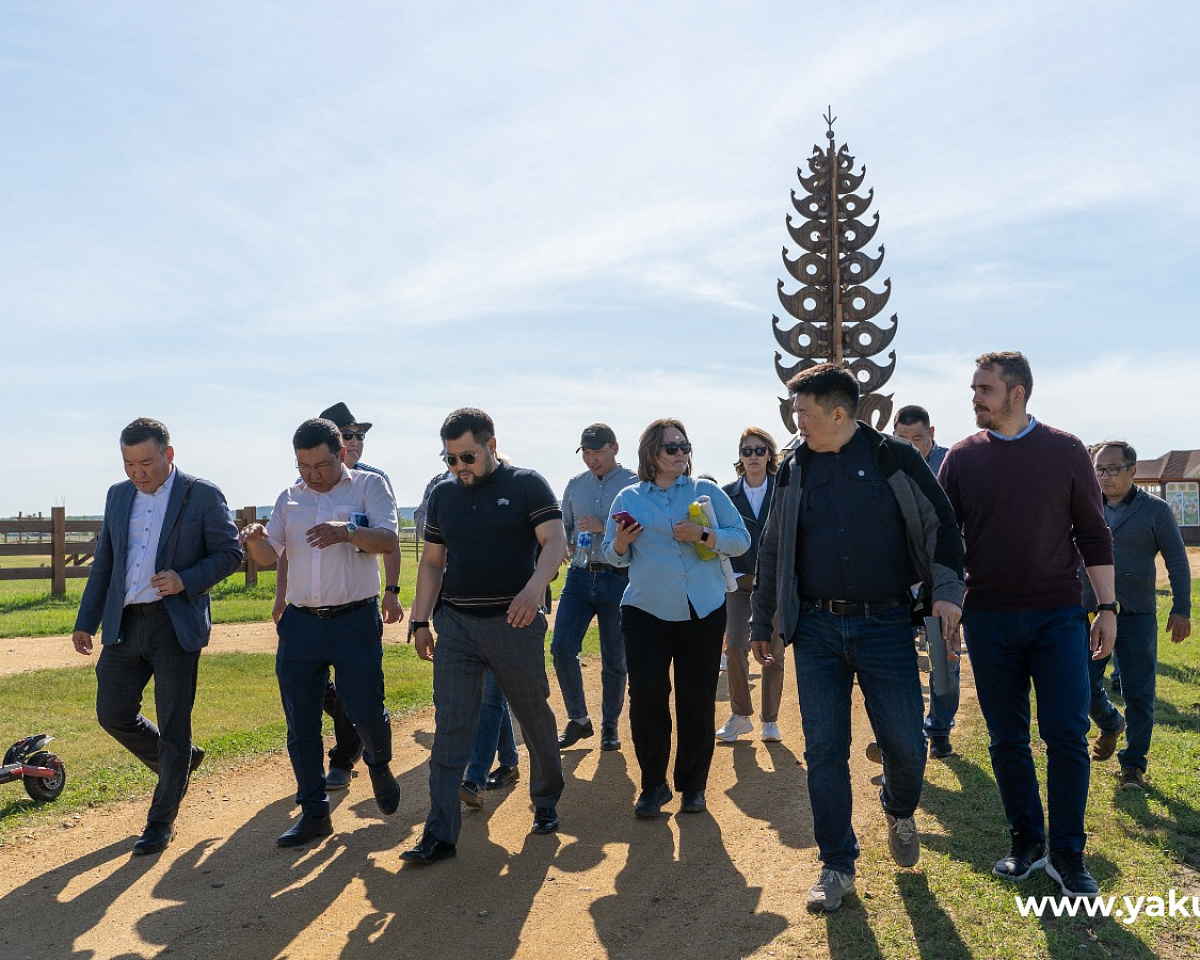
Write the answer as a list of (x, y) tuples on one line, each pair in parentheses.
[(206, 552), (1145, 529)]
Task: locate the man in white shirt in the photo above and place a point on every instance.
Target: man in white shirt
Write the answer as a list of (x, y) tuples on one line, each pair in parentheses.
[(332, 525)]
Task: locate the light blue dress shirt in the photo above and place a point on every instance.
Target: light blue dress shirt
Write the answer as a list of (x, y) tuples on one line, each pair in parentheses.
[(665, 574), (145, 531)]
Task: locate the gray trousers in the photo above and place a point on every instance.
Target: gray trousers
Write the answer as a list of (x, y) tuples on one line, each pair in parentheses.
[(737, 657), (466, 647)]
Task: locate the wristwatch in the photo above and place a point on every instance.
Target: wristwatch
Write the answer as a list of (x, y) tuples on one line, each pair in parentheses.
[(395, 590), (351, 530), (1110, 607), (704, 535), (415, 625)]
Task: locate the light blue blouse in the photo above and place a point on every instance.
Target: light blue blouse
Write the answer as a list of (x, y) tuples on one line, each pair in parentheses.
[(664, 574)]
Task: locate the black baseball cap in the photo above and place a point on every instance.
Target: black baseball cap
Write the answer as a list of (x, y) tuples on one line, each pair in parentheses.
[(596, 436)]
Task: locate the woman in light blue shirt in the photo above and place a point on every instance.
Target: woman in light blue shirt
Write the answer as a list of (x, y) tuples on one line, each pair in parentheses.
[(672, 613)]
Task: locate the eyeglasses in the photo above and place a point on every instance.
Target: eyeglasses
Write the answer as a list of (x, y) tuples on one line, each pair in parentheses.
[(349, 435), (754, 451), (467, 458), (673, 448), (1111, 471)]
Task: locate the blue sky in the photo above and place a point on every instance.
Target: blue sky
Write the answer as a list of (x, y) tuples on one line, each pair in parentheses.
[(230, 216)]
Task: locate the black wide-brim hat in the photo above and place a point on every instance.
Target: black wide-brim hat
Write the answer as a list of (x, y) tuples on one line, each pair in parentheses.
[(340, 414)]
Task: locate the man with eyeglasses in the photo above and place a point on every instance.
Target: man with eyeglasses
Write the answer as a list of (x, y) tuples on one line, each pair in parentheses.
[(1143, 526), (347, 745), (594, 588), (1026, 498), (494, 539), (333, 524)]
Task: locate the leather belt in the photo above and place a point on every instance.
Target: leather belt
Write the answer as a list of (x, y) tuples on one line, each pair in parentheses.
[(607, 568), (145, 609), (328, 613), (854, 608)]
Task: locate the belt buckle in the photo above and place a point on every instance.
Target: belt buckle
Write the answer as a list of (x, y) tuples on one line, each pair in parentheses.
[(325, 613)]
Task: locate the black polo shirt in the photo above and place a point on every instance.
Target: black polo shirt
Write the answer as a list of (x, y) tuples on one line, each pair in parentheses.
[(851, 541), (488, 531)]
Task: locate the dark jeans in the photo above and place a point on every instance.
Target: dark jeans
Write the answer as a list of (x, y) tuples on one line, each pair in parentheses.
[(347, 744), (352, 645), (495, 735), (1009, 650), (830, 651), (149, 648), (585, 595), (1137, 646), (693, 647)]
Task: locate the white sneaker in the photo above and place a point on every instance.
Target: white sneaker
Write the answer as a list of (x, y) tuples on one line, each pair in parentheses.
[(826, 894), (734, 727), (770, 732)]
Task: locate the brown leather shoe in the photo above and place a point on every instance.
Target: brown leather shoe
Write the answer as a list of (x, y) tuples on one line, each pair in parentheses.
[(1106, 744), (1130, 778)]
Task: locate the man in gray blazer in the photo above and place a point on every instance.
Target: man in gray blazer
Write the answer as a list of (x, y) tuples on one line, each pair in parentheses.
[(167, 539)]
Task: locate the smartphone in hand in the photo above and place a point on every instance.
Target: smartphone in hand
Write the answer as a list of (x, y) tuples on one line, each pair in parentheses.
[(624, 519)]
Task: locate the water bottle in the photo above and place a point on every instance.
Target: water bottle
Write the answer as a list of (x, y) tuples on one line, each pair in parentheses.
[(583, 546)]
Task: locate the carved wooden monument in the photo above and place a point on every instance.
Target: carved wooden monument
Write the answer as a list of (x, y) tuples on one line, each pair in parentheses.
[(833, 307)]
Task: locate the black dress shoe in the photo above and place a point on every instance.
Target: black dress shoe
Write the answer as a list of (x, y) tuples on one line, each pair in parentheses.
[(574, 732), (545, 819), (155, 838), (650, 803), (197, 759), (308, 827), (429, 850), (502, 776), (387, 790), (468, 793), (692, 801), (608, 737)]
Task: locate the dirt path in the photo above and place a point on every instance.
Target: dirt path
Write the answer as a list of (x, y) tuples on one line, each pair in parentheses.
[(729, 883)]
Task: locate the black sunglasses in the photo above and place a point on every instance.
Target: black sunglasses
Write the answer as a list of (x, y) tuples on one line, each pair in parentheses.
[(467, 458), (349, 435), (674, 448), (754, 451)]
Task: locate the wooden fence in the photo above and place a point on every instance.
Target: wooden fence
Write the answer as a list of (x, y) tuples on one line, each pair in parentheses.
[(70, 545)]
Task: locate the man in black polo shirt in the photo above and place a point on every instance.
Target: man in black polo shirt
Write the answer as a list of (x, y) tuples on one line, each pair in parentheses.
[(857, 517), (494, 539)]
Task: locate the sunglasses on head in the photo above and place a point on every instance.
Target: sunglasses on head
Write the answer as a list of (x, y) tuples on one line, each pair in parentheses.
[(453, 458), (349, 435), (674, 448), (754, 451)]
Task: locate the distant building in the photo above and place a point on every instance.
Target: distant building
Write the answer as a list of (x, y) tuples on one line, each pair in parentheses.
[(1175, 476)]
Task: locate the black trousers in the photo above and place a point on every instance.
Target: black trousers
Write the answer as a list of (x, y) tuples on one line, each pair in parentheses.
[(347, 744), (149, 648), (693, 648)]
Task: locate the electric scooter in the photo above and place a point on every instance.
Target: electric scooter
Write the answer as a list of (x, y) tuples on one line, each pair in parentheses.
[(44, 773)]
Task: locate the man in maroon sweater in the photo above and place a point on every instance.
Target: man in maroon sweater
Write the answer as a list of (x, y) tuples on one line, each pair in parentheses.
[(1027, 500)]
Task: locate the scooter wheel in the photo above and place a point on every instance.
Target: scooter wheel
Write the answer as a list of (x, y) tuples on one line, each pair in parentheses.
[(45, 789)]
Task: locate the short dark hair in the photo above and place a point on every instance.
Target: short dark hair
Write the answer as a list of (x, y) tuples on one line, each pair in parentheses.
[(1014, 368), (143, 429), (315, 432), (470, 420), (772, 450), (1127, 451), (830, 384), (651, 442), (907, 416)]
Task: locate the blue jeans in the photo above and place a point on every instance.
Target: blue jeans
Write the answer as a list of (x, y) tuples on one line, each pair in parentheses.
[(1137, 646), (588, 594), (830, 652), (942, 708), (1009, 649), (495, 735)]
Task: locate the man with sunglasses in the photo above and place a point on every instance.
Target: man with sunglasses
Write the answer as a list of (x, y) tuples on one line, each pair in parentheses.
[(332, 615), (594, 588), (1143, 526), (494, 539), (347, 745)]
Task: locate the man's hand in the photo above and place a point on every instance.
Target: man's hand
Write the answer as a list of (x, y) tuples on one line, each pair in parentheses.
[(1103, 634), (423, 641), (525, 606), (83, 642), (950, 615), (392, 611), (1179, 627), (327, 534), (589, 524), (251, 531), (762, 652), (167, 582), (277, 610)]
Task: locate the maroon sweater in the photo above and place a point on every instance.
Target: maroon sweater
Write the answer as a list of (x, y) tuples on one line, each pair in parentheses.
[(1028, 510)]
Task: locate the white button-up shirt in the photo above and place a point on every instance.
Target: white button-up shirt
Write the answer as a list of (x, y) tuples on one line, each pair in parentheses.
[(339, 573), (145, 530)]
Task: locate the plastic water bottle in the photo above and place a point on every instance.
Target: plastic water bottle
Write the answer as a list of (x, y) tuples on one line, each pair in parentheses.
[(583, 546)]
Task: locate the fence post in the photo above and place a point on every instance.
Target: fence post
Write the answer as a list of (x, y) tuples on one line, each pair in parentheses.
[(58, 551), (248, 515)]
